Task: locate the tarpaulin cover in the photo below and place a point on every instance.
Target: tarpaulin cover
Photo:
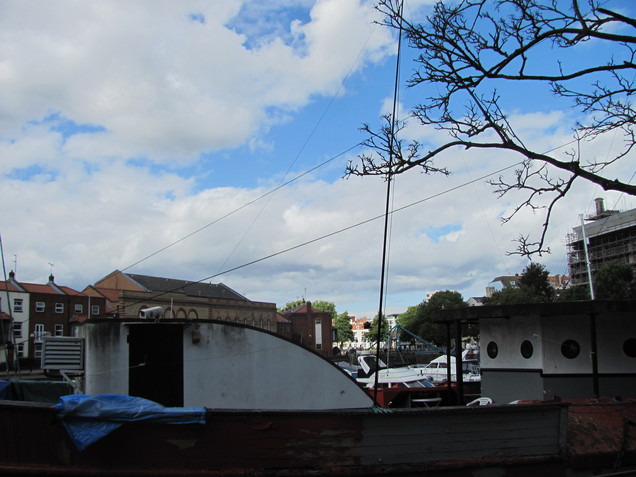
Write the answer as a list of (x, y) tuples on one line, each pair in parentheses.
[(89, 418), (40, 391), (5, 389)]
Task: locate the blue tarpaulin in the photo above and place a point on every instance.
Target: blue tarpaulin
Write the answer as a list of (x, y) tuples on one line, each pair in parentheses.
[(5, 389), (89, 418)]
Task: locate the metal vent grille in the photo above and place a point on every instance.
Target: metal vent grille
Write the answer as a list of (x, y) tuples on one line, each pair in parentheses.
[(64, 353)]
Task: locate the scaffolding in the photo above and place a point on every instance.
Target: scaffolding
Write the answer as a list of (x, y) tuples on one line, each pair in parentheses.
[(610, 240)]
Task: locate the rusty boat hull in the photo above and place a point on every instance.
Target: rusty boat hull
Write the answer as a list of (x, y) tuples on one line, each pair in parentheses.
[(511, 439)]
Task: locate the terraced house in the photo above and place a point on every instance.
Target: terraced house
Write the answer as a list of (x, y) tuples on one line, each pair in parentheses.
[(33, 311)]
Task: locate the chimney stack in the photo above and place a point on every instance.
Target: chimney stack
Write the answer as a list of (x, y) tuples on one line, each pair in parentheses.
[(600, 207)]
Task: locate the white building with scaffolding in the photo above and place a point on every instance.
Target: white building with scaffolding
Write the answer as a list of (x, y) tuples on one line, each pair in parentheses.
[(611, 238)]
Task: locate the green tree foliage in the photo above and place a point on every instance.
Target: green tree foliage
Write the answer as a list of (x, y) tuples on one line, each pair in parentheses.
[(615, 282), (409, 319), (320, 305), (290, 305), (372, 333), (511, 296), (418, 319), (535, 281), (326, 306), (534, 287), (342, 324), (575, 293), (442, 300)]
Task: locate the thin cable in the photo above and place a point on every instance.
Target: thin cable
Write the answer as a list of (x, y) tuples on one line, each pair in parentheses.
[(331, 234), (282, 184), (238, 209)]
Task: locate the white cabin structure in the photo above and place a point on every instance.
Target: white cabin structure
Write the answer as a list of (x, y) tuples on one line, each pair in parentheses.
[(216, 364), (542, 351)]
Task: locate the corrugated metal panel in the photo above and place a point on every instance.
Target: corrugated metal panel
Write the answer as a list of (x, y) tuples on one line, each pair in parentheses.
[(64, 353)]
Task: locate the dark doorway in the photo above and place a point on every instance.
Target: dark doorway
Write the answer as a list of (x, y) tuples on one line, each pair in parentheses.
[(156, 363)]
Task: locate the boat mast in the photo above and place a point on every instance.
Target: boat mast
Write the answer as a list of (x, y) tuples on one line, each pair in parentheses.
[(388, 203)]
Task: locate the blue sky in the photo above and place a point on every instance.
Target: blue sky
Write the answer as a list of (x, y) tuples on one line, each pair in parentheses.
[(127, 129)]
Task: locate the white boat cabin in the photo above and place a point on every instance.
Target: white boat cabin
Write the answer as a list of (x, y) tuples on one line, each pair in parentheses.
[(215, 364), (542, 351)]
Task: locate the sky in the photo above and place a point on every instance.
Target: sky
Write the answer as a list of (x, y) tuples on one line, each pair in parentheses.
[(208, 140)]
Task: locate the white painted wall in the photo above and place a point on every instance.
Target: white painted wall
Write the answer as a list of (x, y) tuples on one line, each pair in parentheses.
[(235, 367), (509, 334), (556, 330), (548, 333), (106, 358), (229, 366)]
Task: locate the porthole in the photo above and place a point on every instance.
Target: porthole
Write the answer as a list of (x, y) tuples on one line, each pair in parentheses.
[(526, 349), (629, 347), (570, 349), (492, 350)]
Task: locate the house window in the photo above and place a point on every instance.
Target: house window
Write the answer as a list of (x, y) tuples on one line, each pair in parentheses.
[(59, 330), (94, 309), (20, 350), (59, 308), (39, 332), (318, 333), (38, 350), (79, 308), (17, 329), (39, 306), (17, 305)]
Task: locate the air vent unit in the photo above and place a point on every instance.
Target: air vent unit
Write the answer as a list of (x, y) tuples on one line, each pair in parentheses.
[(63, 353)]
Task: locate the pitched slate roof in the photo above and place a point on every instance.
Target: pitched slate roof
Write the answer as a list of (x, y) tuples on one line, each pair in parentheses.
[(197, 289)]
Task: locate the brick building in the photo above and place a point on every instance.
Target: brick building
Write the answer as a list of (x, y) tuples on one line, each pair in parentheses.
[(312, 328), (38, 310), (129, 293)]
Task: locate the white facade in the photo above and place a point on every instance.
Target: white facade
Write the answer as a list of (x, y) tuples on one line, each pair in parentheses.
[(16, 304)]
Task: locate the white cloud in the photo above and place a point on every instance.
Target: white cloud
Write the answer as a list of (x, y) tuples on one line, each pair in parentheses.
[(166, 87), (163, 85)]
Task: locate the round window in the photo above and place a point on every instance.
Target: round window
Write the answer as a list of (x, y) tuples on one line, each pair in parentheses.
[(492, 350), (629, 347), (570, 349), (526, 349)]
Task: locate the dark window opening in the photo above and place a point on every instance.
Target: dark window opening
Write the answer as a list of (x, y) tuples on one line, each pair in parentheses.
[(629, 347), (527, 349), (570, 349), (492, 350)]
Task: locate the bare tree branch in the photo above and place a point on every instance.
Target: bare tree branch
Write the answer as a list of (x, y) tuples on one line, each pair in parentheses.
[(466, 48)]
